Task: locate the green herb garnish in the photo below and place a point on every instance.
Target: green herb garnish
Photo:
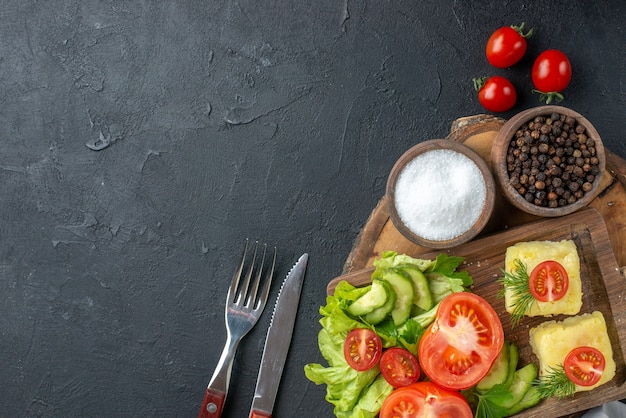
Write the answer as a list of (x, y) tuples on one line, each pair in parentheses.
[(555, 383), (517, 283), (488, 402)]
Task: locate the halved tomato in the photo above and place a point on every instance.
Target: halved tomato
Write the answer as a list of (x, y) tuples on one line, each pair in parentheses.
[(425, 399), (362, 349), (399, 367), (548, 281), (584, 365), (459, 347)]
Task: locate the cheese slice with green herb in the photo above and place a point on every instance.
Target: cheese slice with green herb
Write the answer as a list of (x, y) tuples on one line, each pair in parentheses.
[(552, 341), (533, 253)]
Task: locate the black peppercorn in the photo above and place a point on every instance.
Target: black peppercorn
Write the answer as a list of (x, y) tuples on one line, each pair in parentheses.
[(551, 161)]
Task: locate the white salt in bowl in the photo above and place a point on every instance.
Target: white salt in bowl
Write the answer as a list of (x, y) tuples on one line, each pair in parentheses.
[(440, 194)]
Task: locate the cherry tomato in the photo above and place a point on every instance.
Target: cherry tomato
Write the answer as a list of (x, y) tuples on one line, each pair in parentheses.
[(584, 366), (399, 367), (425, 399), (551, 73), (506, 46), (459, 347), (496, 93), (362, 349), (548, 281)]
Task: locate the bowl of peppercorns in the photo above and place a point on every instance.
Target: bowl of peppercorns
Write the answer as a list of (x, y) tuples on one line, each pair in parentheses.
[(548, 161)]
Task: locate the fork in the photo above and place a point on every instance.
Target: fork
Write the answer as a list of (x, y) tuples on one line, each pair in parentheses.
[(244, 305)]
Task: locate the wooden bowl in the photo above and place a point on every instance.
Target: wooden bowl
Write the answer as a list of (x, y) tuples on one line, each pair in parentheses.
[(440, 194), (504, 177)]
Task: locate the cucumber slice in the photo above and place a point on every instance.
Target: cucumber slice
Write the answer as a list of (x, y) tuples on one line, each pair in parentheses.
[(530, 399), (375, 298), (378, 314), (421, 293), (403, 287), (522, 381), (513, 359), (499, 370)]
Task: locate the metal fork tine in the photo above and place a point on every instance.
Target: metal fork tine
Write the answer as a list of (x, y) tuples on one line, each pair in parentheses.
[(266, 287), (250, 301), (232, 290), (241, 296)]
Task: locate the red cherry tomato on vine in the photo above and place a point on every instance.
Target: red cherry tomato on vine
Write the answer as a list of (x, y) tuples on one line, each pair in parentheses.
[(362, 349), (506, 46), (548, 281), (584, 366), (496, 93), (552, 72)]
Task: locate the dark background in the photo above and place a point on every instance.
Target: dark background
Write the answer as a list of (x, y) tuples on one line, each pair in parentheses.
[(143, 141)]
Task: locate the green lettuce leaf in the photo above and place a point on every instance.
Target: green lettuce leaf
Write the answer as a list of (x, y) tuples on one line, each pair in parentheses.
[(344, 385), (448, 266), (371, 400), (441, 286), (391, 259)]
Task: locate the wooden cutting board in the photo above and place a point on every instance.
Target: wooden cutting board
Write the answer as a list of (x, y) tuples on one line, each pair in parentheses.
[(599, 232)]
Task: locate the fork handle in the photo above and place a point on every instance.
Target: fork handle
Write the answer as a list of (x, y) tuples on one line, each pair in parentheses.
[(215, 394), (212, 404)]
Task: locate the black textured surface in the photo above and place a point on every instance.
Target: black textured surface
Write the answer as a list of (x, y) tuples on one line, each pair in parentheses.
[(143, 141)]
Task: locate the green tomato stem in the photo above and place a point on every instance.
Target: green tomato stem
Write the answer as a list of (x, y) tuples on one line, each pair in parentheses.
[(548, 97), (479, 82), (520, 29)]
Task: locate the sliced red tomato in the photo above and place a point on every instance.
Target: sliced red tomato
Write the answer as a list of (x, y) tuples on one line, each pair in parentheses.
[(362, 349), (584, 366), (459, 347), (548, 281), (506, 46), (425, 399), (399, 367)]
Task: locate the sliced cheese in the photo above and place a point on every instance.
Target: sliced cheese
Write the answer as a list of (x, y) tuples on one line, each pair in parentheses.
[(552, 341), (534, 252)]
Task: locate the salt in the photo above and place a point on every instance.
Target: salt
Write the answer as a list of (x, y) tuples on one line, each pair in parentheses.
[(440, 194)]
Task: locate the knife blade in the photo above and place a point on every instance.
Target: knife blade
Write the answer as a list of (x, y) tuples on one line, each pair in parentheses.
[(278, 340)]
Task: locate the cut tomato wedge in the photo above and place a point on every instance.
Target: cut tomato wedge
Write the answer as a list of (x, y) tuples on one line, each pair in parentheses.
[(362, 349), (548, 281), (425, 399), (584, 365), (459, 347), (399, 367)]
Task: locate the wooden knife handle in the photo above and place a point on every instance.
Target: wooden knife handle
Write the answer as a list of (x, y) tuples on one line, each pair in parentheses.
[(259, 414), (212, 404)]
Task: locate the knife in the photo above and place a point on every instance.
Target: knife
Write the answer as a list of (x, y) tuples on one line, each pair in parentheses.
[(278, 340)]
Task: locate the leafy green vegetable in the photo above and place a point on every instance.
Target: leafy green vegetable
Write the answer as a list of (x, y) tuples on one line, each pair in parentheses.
[(371, 400), (357, 394), (490, 401), (391, 259), (354, 394), (334, 317), (344, 385), (448, 267), (407, 335)]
